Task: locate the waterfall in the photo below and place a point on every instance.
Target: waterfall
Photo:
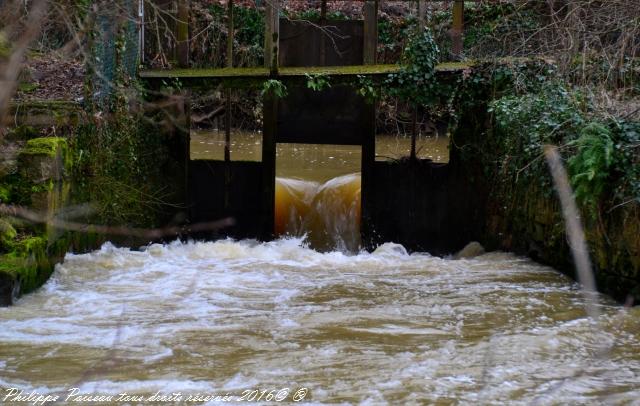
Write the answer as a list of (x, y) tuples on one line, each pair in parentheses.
[(327, 213)]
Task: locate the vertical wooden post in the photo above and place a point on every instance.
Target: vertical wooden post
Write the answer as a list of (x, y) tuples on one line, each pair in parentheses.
[(370, 32), (323, 12), (422, 11), (323, 40), (458, 27), (270, 118), (269, 131), (182, 34), (367, 193), (227, 113), (370, 12), (227, 127), (230, 33), (185, 137), (227, 150), (414, 133), (140, 30), (272, 35)]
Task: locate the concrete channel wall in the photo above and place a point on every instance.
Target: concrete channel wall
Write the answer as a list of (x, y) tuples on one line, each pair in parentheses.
[(423, 205)]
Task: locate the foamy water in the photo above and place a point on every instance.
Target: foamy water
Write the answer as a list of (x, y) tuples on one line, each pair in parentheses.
[(374, 328), (326, 214)]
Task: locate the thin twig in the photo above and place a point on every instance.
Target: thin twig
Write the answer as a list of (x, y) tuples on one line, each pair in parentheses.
[(153, 233)]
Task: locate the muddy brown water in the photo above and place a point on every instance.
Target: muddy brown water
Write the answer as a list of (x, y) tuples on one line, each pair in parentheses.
[(261, 322)]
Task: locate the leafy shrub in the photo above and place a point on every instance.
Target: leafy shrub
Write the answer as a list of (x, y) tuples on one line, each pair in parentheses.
[(626, 138), (317, 82), (274, 86), (416, 81), (590, 166), (525, 123), (603, 156)]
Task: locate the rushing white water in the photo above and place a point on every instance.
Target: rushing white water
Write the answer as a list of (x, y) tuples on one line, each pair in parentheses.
[(374, 328), (327, 214)]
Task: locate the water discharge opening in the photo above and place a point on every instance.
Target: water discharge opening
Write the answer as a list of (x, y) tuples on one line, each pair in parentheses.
[(317, 189), (327, 214), (317, 195)]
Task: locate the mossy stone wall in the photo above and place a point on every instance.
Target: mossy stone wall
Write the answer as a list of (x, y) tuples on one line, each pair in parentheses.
[(526, 218), (36, 181)]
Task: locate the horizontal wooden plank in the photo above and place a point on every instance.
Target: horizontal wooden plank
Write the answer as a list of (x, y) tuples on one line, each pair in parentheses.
[(257, 73)]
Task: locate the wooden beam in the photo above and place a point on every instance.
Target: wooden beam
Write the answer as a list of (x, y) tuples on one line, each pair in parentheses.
[(227, 152), (414, 133), (272, 35), (182, 34), (227, 113), (323, 37), (370, 33), (227, 127), (457, 29), (185, 136), (422, 11), (323, 12), (367, 179), (230, 33), (269, 132)]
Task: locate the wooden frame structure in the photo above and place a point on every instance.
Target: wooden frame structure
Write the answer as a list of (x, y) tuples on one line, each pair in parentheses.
[(272, 29), (272, 69)]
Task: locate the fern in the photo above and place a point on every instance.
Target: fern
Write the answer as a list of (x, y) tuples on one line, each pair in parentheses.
[(590, 167)]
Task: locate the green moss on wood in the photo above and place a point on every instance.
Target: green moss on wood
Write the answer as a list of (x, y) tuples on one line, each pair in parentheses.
[(5, 193), (8, 235), (12, 266), (289, 71), (41, 158), (28, 263), (45, 105), (22, 132), (31, 245), (50, 146), (5, 46)]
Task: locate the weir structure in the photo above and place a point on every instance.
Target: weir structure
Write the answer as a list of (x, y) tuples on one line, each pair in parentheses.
[(293, 50)]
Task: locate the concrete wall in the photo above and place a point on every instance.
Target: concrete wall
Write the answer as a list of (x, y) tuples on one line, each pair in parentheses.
[(524, 218), (39, 173)]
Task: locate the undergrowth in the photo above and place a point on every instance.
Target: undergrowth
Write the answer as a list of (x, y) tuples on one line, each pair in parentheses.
[(602, 154)]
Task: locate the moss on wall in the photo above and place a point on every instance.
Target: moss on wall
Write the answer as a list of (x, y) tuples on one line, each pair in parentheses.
[(523, 218), (25, 259), (523, 215), (25, 268), (118, 163)]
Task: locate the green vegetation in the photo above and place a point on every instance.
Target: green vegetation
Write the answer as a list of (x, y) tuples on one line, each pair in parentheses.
[(50, 146), (115, 162), (367, 89), (602, 153), (28, 263), (275, 87), (248, 40), (317, 82), (7, 234), (5, 193), (416, 81), (591, 164), (314, 15), (5, 47)]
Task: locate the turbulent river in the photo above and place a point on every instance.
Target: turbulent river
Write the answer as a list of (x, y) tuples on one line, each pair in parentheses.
[(259, 323), (375, 328)]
